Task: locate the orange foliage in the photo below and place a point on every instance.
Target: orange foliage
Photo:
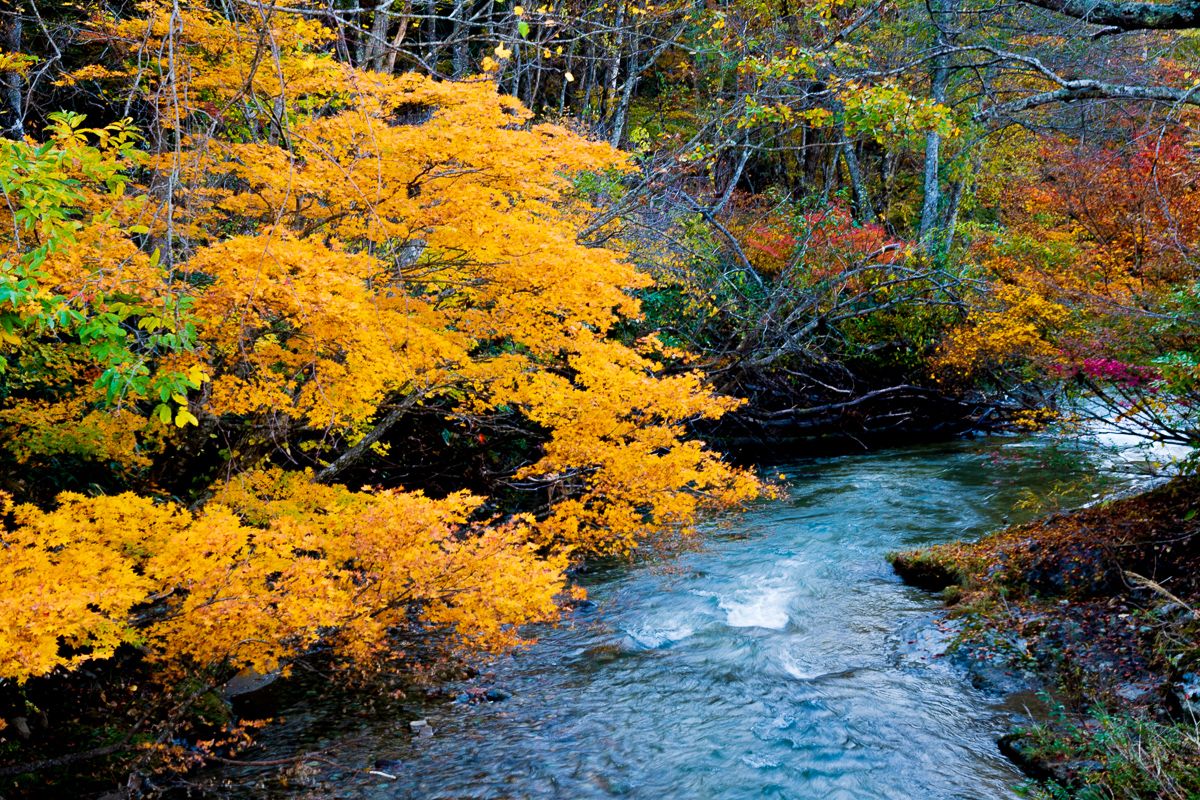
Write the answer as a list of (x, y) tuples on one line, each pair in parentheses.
[(1018, 323), (823, 244), (1095, 231), (1136, 209), (347, 245)]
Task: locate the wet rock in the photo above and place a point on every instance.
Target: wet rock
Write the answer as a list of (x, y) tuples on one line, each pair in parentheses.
[(603, 654), (997, 679), (421, 727), (1186, 692), (926, 639), (1134, 692), (21, 726), (1172, 612), (476, 695), (248, 694), (1074, 569), (993, 666), (919, 569), (248, 682)]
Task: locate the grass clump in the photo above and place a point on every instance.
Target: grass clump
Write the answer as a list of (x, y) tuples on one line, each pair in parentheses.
[(1106, 755)]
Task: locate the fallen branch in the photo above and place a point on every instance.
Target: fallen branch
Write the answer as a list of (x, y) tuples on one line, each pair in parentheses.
[(1159, 589)]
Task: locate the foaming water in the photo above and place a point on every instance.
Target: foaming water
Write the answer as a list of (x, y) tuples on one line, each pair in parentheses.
[(765, 604), (780, 659)]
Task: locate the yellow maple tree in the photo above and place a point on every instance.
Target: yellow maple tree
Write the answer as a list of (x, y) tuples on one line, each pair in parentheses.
[(318, 253)]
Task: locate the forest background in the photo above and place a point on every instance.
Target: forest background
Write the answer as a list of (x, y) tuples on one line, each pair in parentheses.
[(340, 331)]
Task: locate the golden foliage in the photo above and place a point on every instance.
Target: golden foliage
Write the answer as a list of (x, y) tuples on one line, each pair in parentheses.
[(269, 568), (1020, 324), (324, 248)]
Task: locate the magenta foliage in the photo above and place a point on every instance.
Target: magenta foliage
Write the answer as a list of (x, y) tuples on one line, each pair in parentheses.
[(1111, 370)]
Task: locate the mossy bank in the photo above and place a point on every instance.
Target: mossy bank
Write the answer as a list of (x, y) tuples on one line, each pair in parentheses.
[(1100, 609)]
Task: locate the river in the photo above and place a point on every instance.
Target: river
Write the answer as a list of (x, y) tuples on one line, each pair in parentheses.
[(779, 658)]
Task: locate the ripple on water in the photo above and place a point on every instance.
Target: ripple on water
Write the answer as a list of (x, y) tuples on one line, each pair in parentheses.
[(653, 637), (786, 662)]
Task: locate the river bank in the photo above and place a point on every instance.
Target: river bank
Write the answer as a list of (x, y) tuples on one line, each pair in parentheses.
[(1096, 608)]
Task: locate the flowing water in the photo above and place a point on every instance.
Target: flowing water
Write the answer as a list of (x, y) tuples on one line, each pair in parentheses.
[(780, 658)]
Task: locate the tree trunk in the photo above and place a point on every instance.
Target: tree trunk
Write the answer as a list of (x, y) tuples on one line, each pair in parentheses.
[(939, 80), (613, 74), (13, 98), (461, 37), (562, 95), (727, 195), (538, 70), (377, 43), (956, 195), (590, 91), (862, 198), (621, 113), (517, 63), (389, 64), (433, 44), (829, 162), (356, 453)]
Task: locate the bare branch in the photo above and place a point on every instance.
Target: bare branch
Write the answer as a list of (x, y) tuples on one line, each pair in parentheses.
[(1074, 91), (1128, 16)]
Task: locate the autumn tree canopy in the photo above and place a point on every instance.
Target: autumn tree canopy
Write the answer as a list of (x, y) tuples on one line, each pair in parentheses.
[(304, 255)]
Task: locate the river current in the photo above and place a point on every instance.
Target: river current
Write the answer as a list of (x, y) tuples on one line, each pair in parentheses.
[(779, 658)]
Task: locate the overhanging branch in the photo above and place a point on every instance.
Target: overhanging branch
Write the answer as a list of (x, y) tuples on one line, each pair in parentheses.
[(1074, 91), (1128, 16)]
